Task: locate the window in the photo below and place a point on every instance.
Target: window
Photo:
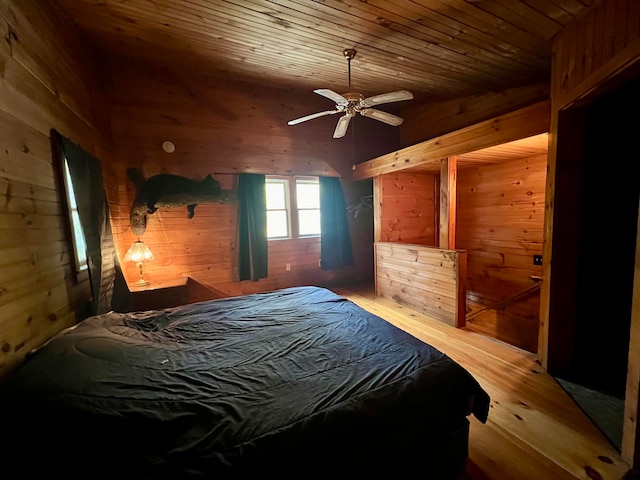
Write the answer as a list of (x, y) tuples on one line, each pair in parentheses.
[(293, 207), (278, 218), (79, 245)]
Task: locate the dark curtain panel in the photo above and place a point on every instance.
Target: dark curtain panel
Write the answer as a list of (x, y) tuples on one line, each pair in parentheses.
[(335, 249), (252, 227), (93, 209)]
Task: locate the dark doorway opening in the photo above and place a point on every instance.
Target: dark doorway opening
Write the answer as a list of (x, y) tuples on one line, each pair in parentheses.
[(599, 169)]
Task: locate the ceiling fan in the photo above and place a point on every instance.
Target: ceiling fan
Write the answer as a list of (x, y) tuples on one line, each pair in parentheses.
[(351, 103)]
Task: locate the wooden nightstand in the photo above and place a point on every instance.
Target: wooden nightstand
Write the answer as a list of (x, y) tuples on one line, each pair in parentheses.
[(157, 295)]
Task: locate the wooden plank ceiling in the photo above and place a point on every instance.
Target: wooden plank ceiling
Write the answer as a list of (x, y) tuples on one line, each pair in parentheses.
[(437, 49), (518, 149)]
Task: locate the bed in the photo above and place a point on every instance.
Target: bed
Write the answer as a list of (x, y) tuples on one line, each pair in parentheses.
[(294, 383)]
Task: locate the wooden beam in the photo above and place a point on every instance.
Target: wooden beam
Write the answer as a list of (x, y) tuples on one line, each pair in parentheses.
[(377, 209), (447, 224), (521, 123), (423, 121)]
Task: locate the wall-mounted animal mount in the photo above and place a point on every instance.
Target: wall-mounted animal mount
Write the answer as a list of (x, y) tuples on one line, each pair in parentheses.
[(166, 190)]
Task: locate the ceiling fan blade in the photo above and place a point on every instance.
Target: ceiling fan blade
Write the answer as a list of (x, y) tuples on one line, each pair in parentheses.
[(336, 97), (341, 127), (387, 98), (382, 116), (310, 117)]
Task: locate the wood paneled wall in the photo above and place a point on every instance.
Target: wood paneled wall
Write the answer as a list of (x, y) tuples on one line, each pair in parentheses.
[(428, 280), (500, 216), (48, 79), (593, 50), (500, 220), (407, 208), (52, 79), (225, 127)]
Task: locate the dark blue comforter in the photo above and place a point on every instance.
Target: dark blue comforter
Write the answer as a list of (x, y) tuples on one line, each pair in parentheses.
[(295, 380)]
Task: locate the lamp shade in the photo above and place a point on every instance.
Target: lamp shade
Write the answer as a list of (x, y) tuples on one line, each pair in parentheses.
[(138, 253)]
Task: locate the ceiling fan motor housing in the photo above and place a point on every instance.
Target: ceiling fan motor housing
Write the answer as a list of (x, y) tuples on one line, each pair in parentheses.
[(353, 105), (353, 97)]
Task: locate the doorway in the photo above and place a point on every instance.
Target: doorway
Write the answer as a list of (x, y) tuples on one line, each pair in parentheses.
[(595, 228)]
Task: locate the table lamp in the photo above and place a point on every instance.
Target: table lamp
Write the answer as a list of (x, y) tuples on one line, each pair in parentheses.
[(139, 253)]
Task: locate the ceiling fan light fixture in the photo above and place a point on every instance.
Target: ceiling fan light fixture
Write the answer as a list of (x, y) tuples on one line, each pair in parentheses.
[(351, 103)]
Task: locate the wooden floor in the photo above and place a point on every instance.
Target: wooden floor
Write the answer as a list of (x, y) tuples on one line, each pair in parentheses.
[(534, 431)]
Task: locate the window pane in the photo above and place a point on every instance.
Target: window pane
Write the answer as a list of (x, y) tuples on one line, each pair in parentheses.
[(309, 222), (277, 225), (276, 198), (308, 195), (79, 240), (80, 249)]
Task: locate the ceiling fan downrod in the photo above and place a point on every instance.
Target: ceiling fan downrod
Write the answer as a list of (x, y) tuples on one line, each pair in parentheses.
[(349, 53)]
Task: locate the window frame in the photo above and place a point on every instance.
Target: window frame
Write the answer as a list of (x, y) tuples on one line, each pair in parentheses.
[(79, 263), (291, 204), (287, 205)]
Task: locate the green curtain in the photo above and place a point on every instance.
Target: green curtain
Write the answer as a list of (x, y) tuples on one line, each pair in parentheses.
[(335, 248), (93, 209), (252, 227)]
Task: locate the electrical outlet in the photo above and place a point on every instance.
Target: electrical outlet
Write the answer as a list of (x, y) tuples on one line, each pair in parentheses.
[(537, 259), (287, 267)]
